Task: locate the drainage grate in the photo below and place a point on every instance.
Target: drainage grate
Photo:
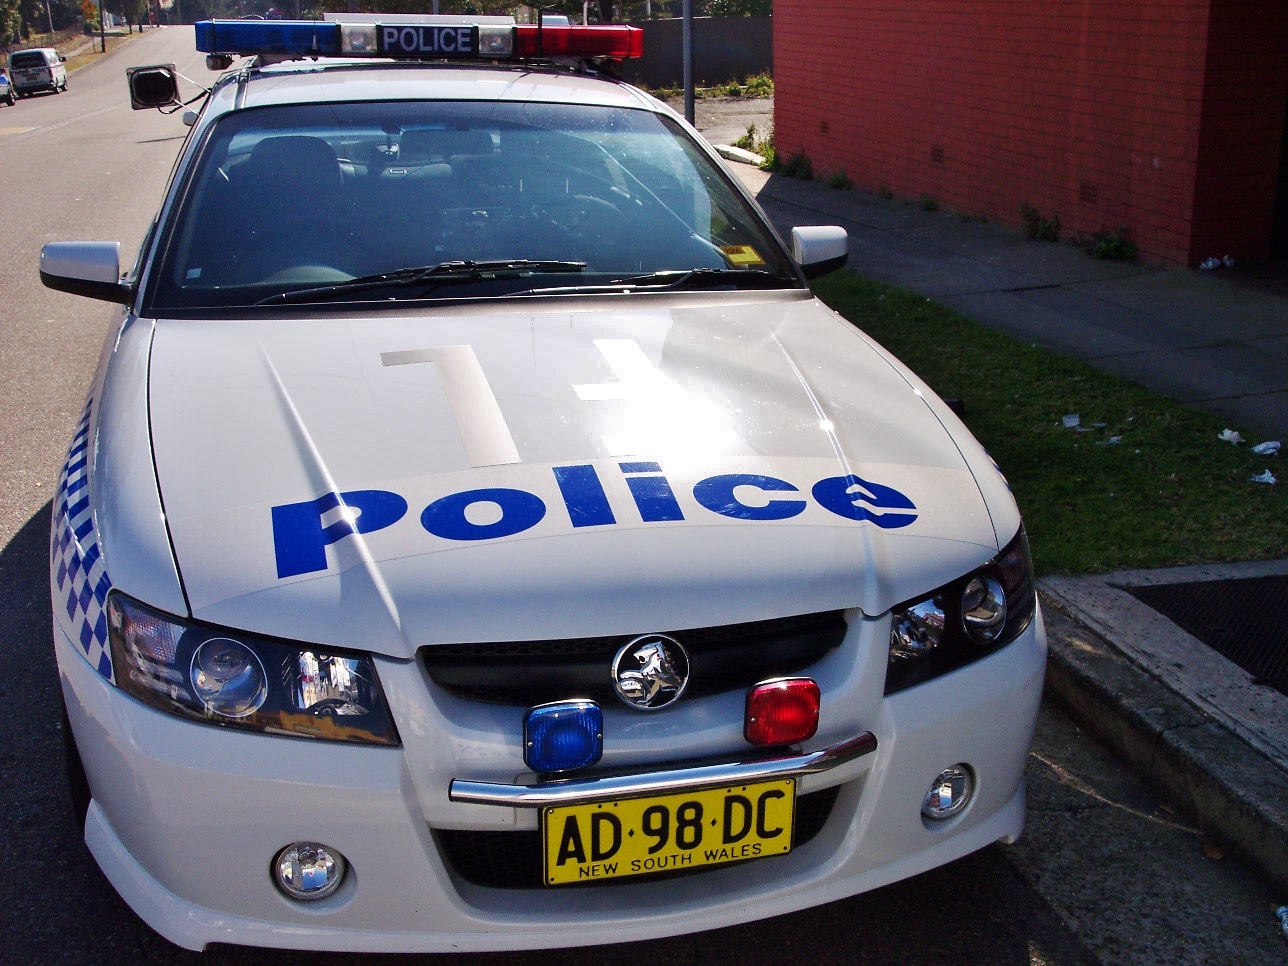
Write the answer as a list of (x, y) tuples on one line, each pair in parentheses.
[(1243, 620)]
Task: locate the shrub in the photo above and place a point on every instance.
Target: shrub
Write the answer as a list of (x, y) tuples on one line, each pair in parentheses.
[(839, 180), (798, 165), (928, 203), (1035, 226), (1112, 245), (767, 151), (748, 141), (760, 85)]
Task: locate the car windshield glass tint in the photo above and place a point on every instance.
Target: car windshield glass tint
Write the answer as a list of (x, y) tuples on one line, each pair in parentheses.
[(31, 59), (285, 199)]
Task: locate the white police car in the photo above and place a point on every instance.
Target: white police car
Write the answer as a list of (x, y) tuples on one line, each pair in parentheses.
[(478, 537)]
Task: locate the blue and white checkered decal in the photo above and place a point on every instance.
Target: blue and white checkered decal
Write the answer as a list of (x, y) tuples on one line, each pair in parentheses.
[(78, 564)]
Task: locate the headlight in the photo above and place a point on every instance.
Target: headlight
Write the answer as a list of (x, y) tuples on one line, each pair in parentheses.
[(241, 680), (962, 621)]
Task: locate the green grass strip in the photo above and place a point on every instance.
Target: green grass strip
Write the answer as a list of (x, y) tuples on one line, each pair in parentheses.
[(1169, 493)]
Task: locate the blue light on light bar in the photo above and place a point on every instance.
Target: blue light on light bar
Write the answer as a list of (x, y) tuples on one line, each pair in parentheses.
[(562, 736), (246, 37)]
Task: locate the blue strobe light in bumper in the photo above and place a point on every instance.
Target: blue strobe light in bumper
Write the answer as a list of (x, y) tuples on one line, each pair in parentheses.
[(563, 736)]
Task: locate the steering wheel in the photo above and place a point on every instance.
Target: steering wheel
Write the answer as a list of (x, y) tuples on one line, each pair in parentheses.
[(297, 252)]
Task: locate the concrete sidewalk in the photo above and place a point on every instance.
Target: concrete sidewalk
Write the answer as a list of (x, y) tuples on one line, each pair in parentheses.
[(1203, 338), (1186, 717)]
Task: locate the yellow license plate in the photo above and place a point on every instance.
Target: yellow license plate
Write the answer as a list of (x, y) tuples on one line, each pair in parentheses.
[(667, 833)]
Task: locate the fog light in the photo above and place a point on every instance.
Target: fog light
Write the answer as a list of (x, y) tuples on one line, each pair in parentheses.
[(308, 871), (563, 735), (781, 712), (949, 793)]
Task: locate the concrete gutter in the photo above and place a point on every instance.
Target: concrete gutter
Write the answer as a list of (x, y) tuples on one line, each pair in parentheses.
[(1236, 792), (730, 153)]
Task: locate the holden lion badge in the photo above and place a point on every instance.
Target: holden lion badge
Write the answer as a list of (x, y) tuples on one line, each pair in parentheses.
[(651, 672)]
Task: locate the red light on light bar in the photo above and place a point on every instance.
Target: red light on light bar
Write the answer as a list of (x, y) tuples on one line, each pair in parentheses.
[(781, 712), (605, 40)]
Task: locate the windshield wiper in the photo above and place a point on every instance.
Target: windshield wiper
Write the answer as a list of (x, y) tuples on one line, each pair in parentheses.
[(673, 280), (442, 273), (697, 278)]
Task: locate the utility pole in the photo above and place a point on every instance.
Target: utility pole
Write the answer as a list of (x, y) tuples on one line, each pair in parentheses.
[(102, 33), (688, 61), (50, 16)]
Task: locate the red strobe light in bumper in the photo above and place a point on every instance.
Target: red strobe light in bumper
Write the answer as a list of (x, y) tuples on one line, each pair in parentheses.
[(781, 712)]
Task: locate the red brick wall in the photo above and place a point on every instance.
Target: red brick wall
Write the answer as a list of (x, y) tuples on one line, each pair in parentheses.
[(1089, 110), (1242, 129)]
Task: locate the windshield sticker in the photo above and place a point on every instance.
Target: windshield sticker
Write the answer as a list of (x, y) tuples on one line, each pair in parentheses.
[(742, 255)]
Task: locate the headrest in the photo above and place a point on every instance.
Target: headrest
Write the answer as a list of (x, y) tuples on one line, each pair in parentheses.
[(293, 161)]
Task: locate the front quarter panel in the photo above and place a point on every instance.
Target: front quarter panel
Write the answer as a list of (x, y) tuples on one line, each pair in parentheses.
[(128, 513)]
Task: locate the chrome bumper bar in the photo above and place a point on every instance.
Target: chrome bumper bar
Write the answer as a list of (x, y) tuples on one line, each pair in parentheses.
[(664, 782)]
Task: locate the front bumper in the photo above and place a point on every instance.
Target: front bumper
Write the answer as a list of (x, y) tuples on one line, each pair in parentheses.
[(186, 818)]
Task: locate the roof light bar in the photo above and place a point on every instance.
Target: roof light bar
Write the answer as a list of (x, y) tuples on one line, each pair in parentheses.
[(607, 40), (248, 37), (416, 38)]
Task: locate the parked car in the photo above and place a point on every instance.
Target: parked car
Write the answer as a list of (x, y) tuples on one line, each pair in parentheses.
[(37, 69), (477, 535), (7, 94)]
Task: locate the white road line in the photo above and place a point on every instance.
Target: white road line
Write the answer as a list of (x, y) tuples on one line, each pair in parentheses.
[(32, 132)]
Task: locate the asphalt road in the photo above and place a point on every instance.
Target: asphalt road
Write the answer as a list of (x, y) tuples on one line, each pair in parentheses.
[(1105, 875)]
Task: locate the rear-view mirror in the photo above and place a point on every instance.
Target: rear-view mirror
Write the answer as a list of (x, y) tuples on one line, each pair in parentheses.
[(156, 85), (92, 269), (819, 249)]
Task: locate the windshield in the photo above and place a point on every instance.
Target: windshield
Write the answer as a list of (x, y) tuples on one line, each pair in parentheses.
[(31, 58), (452, 199)]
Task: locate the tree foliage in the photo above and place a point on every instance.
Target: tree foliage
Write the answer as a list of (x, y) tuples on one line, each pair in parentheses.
[(739, 8), (600, 11), (10, 20)]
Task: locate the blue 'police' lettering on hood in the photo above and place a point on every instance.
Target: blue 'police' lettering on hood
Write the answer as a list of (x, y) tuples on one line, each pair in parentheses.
[(300, 537)]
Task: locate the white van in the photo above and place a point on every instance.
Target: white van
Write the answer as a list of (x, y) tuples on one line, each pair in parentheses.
[(37, 69)]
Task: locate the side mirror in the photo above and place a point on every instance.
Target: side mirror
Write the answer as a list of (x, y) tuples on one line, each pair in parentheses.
[(156, 85), (92, 269), (820, 249), (62, 58)]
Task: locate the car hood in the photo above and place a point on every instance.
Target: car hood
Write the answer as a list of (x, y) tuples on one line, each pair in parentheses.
[(554, 468)]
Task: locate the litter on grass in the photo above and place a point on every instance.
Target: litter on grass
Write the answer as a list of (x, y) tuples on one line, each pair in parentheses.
[(1230, 436), (1270, 448), (1265, 477), (1072, 420)]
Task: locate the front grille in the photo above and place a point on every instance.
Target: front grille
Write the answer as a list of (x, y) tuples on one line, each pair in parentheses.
[(512, 860), (724, 658)]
